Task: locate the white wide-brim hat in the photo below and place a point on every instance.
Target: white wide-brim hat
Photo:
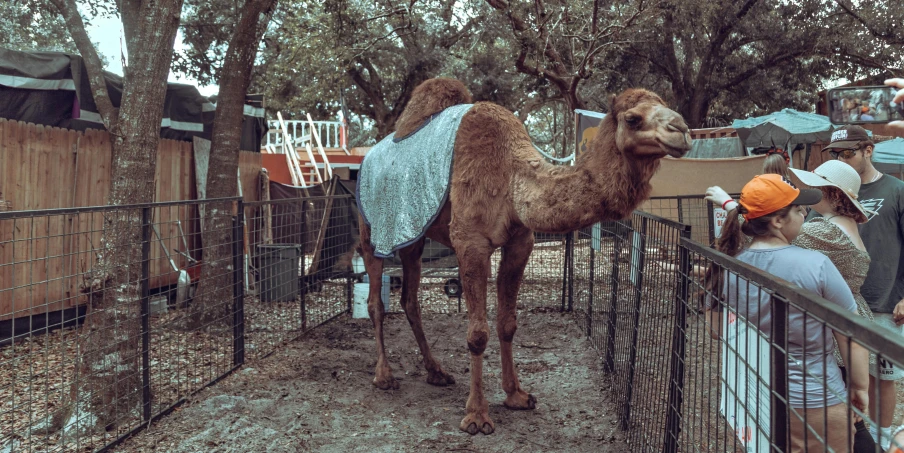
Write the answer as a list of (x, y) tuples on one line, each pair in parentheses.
[(838, 174)]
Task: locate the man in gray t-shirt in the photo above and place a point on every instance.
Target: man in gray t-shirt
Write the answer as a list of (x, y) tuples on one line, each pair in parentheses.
[(883, 237)]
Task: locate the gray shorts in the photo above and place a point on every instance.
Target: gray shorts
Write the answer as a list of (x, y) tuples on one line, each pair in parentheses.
[(887, 370)]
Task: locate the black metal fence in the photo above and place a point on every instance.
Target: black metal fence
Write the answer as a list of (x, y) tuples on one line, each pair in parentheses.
[(625, 289), (440, 290), (160, 320), (110, 317), (300, 270), (704, 219), (688, 371)]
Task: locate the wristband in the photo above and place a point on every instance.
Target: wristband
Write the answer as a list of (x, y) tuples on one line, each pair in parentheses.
[(723, 204)]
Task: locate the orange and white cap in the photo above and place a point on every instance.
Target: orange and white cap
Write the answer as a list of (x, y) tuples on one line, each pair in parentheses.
[(765, 194)]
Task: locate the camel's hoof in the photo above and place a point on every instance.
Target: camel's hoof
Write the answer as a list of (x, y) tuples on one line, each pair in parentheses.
[(477, 423), (521, 401), (386, 383), (440, 378)]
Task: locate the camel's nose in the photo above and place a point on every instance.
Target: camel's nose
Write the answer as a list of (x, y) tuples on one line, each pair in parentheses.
[(678, 125)]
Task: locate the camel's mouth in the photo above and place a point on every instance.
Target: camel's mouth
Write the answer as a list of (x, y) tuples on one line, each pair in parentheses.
[(675, 145), (676, 150)]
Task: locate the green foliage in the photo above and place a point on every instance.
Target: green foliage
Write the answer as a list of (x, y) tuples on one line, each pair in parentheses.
[(731, 59), (28, 25)]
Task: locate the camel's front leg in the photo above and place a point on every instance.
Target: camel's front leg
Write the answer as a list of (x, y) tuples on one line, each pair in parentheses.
[(374, 266), (474, 264), (511, 270)]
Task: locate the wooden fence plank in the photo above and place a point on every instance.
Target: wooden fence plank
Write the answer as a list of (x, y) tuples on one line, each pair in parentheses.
[(42, 260)]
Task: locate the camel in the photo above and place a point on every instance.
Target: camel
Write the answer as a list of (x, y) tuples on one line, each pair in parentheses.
[(502, 191)]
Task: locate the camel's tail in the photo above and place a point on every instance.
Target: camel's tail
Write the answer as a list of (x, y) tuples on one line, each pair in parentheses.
[(430, 97)]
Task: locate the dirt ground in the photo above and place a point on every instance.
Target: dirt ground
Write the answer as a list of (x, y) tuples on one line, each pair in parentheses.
[(315, 394)]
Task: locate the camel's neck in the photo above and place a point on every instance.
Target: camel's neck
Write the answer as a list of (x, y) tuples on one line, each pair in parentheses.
[(602, 185)]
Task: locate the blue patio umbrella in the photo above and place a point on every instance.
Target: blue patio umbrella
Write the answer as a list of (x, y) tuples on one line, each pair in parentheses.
[(888, 156), (785, 129)]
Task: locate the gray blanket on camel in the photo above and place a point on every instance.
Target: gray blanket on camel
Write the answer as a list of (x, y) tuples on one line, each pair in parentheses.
[(404, 182)]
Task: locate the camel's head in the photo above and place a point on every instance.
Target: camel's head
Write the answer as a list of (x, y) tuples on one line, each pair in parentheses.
[(646, 127)]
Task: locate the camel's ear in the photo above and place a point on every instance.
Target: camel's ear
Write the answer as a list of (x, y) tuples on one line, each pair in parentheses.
[(611, 103)]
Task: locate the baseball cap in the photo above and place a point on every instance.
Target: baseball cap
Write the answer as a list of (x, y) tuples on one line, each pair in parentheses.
[(847, 137), (765, 194)]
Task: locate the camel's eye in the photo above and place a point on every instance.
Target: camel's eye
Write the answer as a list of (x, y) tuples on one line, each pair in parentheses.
[(633, 119)]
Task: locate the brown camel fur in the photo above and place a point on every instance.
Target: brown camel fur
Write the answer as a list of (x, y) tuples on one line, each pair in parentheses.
[(501, 192)]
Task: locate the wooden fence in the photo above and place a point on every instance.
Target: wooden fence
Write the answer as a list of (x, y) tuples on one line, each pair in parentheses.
[(45, 168)]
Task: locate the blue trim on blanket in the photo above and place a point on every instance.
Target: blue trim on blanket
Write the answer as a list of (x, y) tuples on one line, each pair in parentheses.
[(436, 214)]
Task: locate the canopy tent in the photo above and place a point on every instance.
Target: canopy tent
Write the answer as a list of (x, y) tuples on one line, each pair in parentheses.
[(888, 156), (52, 89), (716, 148), (785, 129)]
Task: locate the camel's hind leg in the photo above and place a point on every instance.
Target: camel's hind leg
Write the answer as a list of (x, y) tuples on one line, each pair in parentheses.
[(411, 281), (511, 271), (374, 266)]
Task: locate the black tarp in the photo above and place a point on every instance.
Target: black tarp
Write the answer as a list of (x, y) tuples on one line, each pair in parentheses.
[(52, 89), (296, 216)]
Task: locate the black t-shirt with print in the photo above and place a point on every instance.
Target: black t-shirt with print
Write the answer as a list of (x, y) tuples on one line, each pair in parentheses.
[(883, 236)]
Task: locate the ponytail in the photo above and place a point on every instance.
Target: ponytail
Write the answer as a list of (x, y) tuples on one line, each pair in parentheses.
[(732, 241)]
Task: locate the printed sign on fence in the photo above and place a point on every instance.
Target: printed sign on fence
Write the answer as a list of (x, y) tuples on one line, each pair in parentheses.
[(745, 397), (635, 257), (719, 216)]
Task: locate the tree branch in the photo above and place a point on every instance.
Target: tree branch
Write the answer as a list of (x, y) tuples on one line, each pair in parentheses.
[(887, 37), (93, 65)]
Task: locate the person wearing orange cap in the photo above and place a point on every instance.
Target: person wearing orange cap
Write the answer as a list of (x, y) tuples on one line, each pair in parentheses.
[(771, 211)]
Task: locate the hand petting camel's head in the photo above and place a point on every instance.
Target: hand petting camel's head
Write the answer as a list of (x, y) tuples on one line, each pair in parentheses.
[(646, 127)]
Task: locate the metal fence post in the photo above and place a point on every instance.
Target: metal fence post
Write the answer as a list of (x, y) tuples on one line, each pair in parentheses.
[(238, 286), (679, 343), (638, 295), (145, 313), (778, 379), (609, 361), (711, 222), (304, 266), (590, 290), (565, 273), (680, 211), (571, 271)]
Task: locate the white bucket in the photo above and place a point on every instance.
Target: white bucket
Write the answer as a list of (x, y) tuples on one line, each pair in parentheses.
[(357, 264), (359, 301)]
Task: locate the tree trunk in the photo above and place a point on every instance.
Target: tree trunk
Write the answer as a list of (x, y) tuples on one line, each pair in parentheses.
[(212, 304), (107, 390), (693, 108)]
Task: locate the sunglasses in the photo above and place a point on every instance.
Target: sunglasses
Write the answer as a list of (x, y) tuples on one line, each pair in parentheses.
[(845, 153)]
